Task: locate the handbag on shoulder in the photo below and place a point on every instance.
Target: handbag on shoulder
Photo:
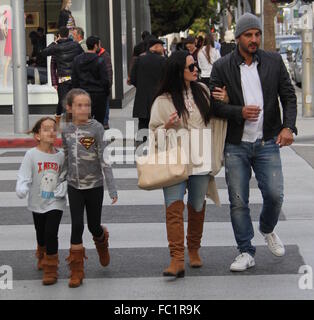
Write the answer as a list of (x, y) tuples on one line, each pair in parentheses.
[(162, 168)]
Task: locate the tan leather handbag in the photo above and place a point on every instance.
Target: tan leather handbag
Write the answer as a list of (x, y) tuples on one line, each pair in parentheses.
[(160, 169)]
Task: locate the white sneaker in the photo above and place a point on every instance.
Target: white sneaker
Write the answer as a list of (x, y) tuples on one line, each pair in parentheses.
[(274, 244), (242, 262)]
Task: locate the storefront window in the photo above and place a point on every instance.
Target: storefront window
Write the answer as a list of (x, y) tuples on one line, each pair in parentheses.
[(5, 45), (42, 18)]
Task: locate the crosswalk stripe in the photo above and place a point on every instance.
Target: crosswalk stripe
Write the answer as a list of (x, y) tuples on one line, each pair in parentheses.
[(243, 287), (149, 262), (147, 235), (155, 197), (118, 174), (11, 160), (133, 214), (139, 197)]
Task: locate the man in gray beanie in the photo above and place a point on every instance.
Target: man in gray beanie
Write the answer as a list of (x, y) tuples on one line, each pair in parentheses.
[(246, 22), (254, 80)]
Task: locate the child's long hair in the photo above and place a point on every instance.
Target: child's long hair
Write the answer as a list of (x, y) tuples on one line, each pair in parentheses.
[(72, 94), (38, 124)]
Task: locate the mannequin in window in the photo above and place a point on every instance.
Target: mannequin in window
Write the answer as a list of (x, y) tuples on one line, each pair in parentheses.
[(6, 30), (65, 18)]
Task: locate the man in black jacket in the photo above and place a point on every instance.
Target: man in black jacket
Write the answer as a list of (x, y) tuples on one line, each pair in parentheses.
[(146, 76), (90, 73), (64, 50), (254, 79)]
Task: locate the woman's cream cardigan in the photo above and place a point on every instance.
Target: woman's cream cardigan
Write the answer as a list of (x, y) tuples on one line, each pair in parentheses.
[(163, 107)]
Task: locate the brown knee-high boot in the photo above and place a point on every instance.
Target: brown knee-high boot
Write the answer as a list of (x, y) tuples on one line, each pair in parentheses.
[(175, 234), (40, 254), (194, 235), (102, 248), (76, 264), (50, 266)]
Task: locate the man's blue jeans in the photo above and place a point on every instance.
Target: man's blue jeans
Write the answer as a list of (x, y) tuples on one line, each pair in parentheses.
[(197, 188), (264, 159)]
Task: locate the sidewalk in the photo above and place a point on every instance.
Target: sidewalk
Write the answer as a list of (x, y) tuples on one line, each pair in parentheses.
[(118, 118), (9, 139)]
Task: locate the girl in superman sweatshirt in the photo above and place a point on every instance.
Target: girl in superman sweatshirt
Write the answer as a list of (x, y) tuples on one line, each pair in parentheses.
[(85, 170)]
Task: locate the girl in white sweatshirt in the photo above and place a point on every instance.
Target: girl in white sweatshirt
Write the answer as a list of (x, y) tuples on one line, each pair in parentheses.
[(38, 178)]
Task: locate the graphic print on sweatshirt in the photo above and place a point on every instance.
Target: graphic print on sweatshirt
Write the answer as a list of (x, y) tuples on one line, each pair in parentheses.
[(49, 180), (87, 142)]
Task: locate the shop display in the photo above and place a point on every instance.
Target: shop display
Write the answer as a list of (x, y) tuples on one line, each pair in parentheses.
[(65, 18), (6, 39)]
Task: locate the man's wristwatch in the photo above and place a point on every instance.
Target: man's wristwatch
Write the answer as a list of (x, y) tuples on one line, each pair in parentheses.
[(290, 130)]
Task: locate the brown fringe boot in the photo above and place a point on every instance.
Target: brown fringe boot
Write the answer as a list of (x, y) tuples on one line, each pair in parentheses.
[(50, 265), (102, 248), (40, 254), (76, 264)]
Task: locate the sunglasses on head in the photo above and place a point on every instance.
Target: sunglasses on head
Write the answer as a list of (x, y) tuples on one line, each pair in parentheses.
[(191, 67)]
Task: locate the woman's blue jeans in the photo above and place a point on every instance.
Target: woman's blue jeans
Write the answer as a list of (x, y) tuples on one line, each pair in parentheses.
[(264, 158), (197, 188)]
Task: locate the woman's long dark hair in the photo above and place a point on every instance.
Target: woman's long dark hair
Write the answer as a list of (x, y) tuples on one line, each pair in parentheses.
[(173, 84), (209, 45)]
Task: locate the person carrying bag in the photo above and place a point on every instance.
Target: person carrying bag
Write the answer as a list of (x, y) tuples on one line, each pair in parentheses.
[(162, 167), (182, 106)]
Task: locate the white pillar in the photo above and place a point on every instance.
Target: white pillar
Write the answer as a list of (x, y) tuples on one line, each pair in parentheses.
[(20, 94)]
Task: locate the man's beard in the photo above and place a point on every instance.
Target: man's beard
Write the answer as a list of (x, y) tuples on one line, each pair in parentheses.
[(247, 49)]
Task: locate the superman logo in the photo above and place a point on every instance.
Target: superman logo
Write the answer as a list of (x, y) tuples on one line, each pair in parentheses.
[(87, 142)]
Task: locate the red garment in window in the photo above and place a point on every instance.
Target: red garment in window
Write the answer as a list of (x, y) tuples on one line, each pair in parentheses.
[(8, 44)]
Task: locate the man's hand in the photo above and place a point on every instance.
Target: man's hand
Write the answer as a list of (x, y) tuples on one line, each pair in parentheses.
[(251, 113), (285, 138), (221, 94)]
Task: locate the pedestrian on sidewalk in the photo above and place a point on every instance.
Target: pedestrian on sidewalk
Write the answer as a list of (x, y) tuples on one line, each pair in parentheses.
[(139, 50), (207, 56), (85, 169), (38, 178), (228, 45), (146, 76), (183, 104), (190, 45), (254, 80), (90, 74), (102, 52), (64, 50), (78, 36)]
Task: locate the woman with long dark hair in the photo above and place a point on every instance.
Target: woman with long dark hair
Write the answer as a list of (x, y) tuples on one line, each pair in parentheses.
[(207, 56), (182, 103)]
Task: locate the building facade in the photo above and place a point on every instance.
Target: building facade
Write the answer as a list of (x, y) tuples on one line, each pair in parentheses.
[(119, 24)]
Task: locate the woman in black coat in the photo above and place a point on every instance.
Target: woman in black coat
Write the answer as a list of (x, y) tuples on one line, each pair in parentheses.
[(146, 76)]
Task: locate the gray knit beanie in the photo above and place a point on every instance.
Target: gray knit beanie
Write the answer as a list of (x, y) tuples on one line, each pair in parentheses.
[(246, 22)]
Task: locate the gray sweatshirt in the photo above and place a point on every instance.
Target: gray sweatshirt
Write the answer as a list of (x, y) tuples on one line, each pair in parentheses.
[(38, 177), (84, 165)]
